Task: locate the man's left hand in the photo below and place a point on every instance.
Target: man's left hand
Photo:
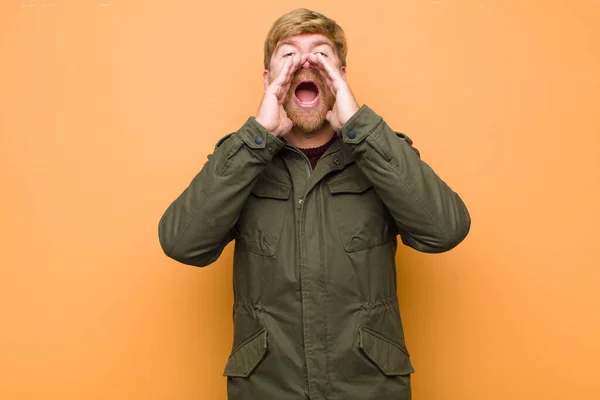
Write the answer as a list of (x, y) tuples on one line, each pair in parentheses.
[(345, 104)]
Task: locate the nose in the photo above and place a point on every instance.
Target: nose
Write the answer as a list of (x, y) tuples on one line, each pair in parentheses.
[(306, 63)]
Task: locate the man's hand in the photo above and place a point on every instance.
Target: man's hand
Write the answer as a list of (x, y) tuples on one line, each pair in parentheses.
[(345, 103), (271, 114)]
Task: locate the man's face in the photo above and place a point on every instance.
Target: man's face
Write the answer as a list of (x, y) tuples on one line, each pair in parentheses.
[(309, 98)]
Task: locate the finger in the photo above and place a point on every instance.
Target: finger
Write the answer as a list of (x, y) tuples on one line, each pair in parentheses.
[(281, 78), (283, 94), (290, 75), (295, 66), (315, 62), (327, 81), (320, 67), (288, 72), (291, 70), (334, 73)]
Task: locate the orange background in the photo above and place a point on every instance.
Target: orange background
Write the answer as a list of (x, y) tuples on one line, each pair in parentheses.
[(109, 108)]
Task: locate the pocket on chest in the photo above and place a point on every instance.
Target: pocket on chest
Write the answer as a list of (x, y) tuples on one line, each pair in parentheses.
[(262, 218), (361, 217)]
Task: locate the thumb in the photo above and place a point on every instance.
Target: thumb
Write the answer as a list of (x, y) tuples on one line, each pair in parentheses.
[(332, 118)]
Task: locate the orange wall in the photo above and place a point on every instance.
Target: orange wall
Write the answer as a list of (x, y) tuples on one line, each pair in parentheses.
[(108, 108)]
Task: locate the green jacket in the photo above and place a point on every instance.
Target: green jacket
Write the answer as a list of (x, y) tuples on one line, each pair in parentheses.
[(315, 306)]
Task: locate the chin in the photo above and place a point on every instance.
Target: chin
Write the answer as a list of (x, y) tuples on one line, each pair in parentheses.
[(309, 124)]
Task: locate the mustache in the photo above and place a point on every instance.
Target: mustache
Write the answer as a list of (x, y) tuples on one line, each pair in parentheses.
[(308, 75)]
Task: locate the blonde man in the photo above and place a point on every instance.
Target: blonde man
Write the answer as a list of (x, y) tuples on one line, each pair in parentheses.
[(315, 190)]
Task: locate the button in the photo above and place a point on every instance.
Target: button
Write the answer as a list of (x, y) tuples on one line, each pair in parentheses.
[(258, 140), (337, 161), (270, 149), (351, 135), (300, 201)]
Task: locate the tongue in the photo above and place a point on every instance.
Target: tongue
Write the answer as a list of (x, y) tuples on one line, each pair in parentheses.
[(306, 95)]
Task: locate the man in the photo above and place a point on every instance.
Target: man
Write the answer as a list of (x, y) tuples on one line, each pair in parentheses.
[(314, 190)]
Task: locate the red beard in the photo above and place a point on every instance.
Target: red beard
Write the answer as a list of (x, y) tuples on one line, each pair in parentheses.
[(310, 120)]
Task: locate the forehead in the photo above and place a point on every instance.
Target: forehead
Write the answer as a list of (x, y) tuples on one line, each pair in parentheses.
[(308, 40)]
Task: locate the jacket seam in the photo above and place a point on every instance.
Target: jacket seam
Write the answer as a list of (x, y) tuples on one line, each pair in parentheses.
[(326, 305)]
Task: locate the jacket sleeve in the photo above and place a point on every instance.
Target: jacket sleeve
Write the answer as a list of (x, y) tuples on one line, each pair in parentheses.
[(430, 217), (200, 222)]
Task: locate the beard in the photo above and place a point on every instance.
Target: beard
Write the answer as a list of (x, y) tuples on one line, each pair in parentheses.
[(309, 121)]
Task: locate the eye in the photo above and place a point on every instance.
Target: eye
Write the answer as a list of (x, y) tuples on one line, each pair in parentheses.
[(320, 52), (288, 54)]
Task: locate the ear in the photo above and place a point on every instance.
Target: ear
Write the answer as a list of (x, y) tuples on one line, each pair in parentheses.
[(343, 70), (266, 78)]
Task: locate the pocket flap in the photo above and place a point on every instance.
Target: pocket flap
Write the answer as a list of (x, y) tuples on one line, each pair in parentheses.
[(349, 184), (391, 358), (272, 189), (247, 355)]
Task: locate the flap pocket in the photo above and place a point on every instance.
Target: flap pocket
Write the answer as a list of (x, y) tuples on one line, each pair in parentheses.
[(271, 190), (349, 184), (391, 358), (363, 221), (261, 220), (246, 357)]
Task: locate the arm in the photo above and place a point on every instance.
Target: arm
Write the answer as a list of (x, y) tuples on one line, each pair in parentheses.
[(199, 223), (430, 217)]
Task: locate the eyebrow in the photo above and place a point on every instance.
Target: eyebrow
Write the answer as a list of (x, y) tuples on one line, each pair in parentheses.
[(316, 43)]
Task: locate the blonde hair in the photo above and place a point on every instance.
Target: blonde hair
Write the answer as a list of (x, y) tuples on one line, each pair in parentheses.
[(303, 21)]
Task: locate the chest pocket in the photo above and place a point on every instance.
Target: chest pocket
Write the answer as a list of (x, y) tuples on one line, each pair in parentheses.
[(362, 218), (262, 218)]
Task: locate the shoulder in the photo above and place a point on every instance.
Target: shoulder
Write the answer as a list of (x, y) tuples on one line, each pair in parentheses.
[(222, 140), (408, 140)]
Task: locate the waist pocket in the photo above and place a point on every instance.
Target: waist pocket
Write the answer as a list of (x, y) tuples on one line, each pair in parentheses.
[(390, 357), (247, 356)]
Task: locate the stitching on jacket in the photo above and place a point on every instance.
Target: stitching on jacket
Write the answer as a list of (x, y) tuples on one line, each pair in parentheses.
[(386, 304), (325, 297)]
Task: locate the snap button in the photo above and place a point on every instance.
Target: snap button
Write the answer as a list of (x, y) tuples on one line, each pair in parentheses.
[(258, 140), (337, 161), (271, 149), (351, 135), (300, 201)]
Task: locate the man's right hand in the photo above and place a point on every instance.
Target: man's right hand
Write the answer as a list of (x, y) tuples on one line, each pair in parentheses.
[(271, 114)]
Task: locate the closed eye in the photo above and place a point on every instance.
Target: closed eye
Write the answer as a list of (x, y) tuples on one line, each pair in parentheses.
[(288, 54)]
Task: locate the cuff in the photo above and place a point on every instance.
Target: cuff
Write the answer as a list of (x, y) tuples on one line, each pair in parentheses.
[(359, 126), (255, 136)]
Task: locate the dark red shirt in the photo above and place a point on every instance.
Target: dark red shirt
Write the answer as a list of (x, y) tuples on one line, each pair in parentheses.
[(315, 153)]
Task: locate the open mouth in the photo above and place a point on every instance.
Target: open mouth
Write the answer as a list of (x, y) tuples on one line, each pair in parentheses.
[(307, 93)]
